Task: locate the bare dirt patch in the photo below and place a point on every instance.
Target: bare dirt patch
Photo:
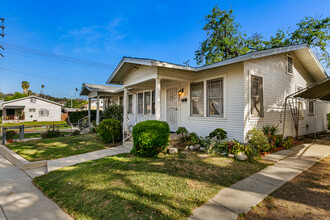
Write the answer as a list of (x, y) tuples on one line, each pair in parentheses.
[(305, 197)]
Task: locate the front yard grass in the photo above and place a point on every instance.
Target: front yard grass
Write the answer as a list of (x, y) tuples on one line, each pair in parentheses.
[(54, 148), (126, 187)]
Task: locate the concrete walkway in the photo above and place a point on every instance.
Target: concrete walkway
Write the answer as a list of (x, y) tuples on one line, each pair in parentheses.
[(20, 199), (243, 195), (68, 161)]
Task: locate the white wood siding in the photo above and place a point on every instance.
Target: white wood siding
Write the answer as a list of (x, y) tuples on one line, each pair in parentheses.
[(277, 84), (141, 74)]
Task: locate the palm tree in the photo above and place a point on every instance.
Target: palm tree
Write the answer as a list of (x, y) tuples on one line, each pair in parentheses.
[(42, 89), (25, 85)]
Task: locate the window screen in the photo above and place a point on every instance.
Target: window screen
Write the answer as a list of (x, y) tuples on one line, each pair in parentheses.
[(257, 102), (197, 99), (215, 97)]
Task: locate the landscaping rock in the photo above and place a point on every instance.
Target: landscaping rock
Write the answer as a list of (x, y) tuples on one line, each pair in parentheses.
[(203, 155), (223, 154), (186, 148), (241, 156), (202, 149), (196, 147), (191, 147), (231, 155), (173, 150)]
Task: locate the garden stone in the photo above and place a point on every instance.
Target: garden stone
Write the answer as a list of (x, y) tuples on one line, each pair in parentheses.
[(186, 148), (231, 155), (173, 150), (191, 147), (223, 154), (197, 146), (241, 156), (202, 149)]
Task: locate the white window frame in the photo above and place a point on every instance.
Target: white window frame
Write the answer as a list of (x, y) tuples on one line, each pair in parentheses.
[(32, 110), (190, 99), (313, 103), (258, 74), (300, 102), (130, 105), (205, 116), (207, 98), (43, 110), (137, 103)]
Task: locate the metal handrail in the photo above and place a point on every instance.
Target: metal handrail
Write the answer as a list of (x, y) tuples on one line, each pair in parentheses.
[(83, 122), (136, 121)]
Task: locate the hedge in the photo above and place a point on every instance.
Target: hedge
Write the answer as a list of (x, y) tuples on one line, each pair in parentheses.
[(150, 138), (114, 112), (75, 116), (110, 130)]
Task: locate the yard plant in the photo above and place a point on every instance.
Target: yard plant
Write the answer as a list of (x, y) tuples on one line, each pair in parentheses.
[(150, 138), (110, 130)]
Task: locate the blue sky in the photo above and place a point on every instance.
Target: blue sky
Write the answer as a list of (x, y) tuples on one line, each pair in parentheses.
[(105, 31)]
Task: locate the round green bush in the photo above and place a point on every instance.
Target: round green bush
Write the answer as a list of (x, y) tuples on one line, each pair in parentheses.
[(150, 138), (110, 130), (218, 133), (114, 112), (10, 134), (258, 140)]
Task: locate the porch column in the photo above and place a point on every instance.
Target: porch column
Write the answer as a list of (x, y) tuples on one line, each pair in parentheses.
[(157, 99), (89, 110), (97, 110), (125, 103)]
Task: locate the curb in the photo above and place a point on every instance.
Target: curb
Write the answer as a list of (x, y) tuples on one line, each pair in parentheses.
[(19, 161)]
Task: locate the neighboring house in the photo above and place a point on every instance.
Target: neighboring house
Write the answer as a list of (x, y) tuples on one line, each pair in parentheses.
[(31, 108), (93, 105), (237, 94)]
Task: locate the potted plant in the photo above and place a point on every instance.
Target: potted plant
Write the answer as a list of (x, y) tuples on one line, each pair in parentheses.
[(10, 135)]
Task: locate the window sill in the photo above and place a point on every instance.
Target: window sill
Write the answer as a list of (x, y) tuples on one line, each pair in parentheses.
[(202, 118)]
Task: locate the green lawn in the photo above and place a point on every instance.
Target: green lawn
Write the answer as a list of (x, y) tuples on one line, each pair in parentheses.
[(33, 123), (126, 187), (34, 135), (53, 148)]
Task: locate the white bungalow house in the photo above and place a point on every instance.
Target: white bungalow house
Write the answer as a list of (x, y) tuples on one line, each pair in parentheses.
[(31, 108), (236, 94)]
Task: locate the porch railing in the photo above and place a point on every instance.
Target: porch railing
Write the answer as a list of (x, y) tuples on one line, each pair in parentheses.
[(14, 117), (126, 132), (83, 123)]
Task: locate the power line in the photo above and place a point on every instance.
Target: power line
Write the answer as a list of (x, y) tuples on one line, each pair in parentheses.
[(2, 34), (41, 53), (40, 76)]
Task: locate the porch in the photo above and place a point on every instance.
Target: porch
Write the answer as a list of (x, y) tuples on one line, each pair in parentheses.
[(13, 114)]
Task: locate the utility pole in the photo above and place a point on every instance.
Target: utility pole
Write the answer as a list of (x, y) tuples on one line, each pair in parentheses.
[(186, 63), (2, 34)]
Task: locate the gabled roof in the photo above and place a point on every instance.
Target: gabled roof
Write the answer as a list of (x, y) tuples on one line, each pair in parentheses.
[(31, 96), (87, 88), (303, 52)]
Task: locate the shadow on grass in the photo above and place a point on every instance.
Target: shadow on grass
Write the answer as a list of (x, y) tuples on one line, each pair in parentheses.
[(124, 187)]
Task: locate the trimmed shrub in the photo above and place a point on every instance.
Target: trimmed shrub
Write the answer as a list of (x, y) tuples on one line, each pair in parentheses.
[(110, 130), (50, 134), (182, 131), (150, 138), (10, 134), (76, 132), (218, 133), (258, 140), (75, 116), (193, 138), (114, 112)]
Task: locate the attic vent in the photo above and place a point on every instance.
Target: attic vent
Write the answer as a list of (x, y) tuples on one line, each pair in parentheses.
[(290, 64)]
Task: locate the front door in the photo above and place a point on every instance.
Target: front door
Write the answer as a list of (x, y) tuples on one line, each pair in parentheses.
[(172, 108)]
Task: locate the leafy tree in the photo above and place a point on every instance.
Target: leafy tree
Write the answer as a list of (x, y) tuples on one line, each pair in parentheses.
[(225, 38), (25, 85), (17, 95)]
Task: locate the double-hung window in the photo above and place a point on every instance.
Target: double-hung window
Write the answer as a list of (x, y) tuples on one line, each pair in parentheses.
[(153, 102), (197, 99), (121, 100), (130, 104), (140, 103), (215, 97), (147, 103), (257, 100), (310, 107)]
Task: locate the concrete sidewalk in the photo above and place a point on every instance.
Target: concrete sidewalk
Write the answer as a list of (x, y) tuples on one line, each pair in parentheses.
[(243, 195), (68, 161), (20, 199)]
